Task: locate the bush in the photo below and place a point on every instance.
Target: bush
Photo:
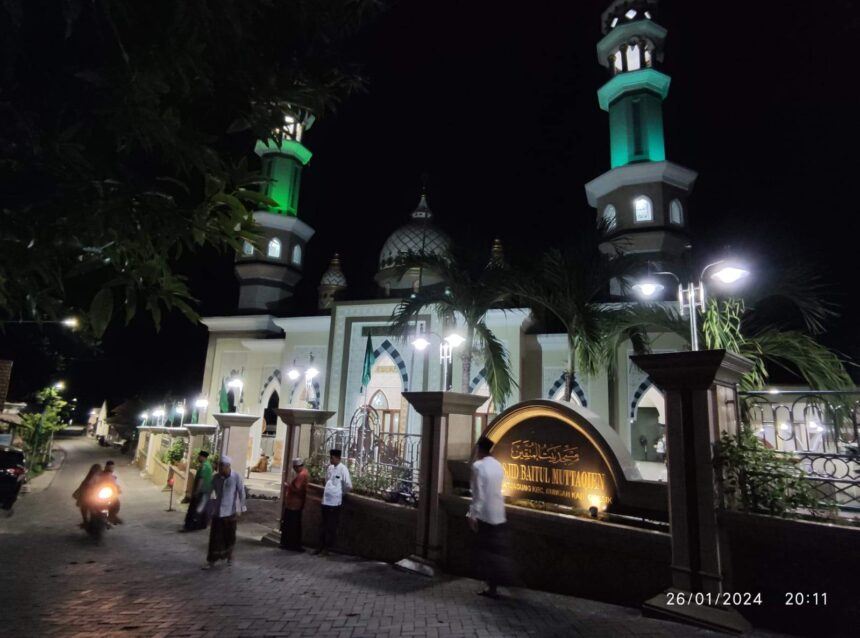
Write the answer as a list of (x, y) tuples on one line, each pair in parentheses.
[(176, 452), (758, 479)]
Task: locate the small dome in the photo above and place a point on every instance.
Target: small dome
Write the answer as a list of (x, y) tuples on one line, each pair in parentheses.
[(334, 275), (418, 236)]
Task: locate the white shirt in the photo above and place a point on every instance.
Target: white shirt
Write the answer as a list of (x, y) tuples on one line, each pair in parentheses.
[(337, 481), (229, 493), (487, 502)]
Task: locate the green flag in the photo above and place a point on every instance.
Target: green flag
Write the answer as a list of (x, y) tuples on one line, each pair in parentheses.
[(223, 401), (368, 364)]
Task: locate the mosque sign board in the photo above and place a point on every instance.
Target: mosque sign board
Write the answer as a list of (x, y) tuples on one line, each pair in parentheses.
[(551, 453)]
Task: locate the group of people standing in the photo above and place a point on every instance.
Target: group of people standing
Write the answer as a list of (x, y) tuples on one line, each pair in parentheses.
[(219, 499), (338, 482)]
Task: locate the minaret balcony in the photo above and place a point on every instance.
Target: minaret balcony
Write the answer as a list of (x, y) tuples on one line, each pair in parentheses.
[(642, 80), (286, 148)]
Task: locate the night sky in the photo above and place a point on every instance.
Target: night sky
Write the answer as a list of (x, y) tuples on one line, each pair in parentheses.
[(497, 102)]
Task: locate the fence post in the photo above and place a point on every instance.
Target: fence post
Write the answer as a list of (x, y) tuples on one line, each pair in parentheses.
[(436, 410), (296, 420), (701, 402)]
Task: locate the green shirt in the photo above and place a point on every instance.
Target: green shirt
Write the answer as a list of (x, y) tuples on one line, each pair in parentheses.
[(204, 476)]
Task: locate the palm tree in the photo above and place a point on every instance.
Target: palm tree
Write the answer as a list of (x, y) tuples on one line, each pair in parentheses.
[(735, 326), (569, 285), (467, 290)]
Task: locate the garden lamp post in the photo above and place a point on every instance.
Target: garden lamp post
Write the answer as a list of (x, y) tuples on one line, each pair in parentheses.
[(446, 347), (691, 296), (310, 372)]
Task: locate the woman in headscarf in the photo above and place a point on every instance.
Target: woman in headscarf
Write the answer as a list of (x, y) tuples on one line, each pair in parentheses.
[(80, 494)]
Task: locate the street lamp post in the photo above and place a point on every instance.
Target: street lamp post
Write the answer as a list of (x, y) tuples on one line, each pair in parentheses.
[(446, 347), (310, 373), (691, 297)]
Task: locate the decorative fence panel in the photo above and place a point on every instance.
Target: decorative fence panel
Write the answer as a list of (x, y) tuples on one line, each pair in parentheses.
[(382, 464), (819, 431)]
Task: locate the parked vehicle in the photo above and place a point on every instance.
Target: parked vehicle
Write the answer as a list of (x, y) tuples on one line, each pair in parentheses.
[(13, 474), (99, 501)]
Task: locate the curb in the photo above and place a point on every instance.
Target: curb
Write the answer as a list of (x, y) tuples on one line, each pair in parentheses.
[(49, 473)]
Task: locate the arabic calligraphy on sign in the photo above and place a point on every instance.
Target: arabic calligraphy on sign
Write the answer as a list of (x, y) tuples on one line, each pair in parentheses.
[(554, 453)]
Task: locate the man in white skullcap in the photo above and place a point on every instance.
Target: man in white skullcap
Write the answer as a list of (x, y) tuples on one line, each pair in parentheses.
[(294, 503), (229, 503)]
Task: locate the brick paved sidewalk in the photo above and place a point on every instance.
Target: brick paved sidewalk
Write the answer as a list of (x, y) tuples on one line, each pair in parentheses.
[(145, 580)]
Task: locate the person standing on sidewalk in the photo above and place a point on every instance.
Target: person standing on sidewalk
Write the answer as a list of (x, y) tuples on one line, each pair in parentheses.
[(195, 519), (487, 518), (227, 506), (291, 517), (337, 482)]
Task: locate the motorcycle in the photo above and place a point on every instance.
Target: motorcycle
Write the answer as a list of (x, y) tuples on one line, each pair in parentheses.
[(101, 500)]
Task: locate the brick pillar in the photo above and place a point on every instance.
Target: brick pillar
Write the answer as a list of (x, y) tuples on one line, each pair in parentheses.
[(701, 402), (445, 417)]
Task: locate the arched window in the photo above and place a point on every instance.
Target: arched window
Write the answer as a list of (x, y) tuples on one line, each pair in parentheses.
[(643, 210), (617, 62), (648, 60), (379, 401), (275, 248), (297, 255), (610, 217), (633, 57), (247, 248), (676, 212)]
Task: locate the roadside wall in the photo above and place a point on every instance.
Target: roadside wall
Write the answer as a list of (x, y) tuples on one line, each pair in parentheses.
[(368, 527)]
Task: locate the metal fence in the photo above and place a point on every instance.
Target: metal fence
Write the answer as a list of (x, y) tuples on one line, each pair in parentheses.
[(382, 464), (819, 431)]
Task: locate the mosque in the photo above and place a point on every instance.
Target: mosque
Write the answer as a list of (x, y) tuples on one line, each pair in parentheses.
[(262, 357)]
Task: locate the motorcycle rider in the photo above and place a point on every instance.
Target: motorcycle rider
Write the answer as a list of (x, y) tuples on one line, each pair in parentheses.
[(108, 476)]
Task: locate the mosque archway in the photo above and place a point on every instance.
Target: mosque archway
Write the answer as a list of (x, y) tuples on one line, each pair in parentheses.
[(577, 394), (647, 423)]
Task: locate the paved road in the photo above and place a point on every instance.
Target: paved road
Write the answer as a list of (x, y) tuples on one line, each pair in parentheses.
[(145, 580)]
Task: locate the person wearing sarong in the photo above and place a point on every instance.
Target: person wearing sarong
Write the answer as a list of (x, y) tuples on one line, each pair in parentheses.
[(196, 517), (487, 519), (294, 503), (227, 505)]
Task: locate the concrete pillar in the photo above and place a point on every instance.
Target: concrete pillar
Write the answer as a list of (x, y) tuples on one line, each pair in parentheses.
[(152, 449), (446, 422), (701, 402), (298, 422), (235, 438)]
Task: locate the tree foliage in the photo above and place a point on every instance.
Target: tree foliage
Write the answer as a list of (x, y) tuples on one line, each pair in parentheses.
[(468, 291), (124, 128), (45, 416), (573, 285)]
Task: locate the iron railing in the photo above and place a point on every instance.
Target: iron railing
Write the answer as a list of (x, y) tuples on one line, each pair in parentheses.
[(819, 431), (382, 464)]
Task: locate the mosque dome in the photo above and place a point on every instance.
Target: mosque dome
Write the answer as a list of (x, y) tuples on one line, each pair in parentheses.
[(418, 236), (334, 275)]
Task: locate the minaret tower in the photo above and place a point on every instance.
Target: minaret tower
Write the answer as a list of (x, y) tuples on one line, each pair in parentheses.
[(643, 198), (268, 274)]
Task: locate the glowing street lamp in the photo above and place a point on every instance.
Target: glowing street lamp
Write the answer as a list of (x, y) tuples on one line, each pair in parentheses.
[(71, 322), (310, 373), (446, 347), (691, 297), (60, 385)]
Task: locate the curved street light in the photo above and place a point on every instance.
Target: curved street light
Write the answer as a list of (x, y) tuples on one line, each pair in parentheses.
[(691, 297)]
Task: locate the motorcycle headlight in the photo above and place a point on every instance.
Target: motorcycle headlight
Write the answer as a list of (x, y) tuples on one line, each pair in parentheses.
[(105, 493)]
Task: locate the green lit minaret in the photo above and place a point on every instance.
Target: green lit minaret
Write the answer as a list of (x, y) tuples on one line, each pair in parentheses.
[(268, 274), (643, 198)]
